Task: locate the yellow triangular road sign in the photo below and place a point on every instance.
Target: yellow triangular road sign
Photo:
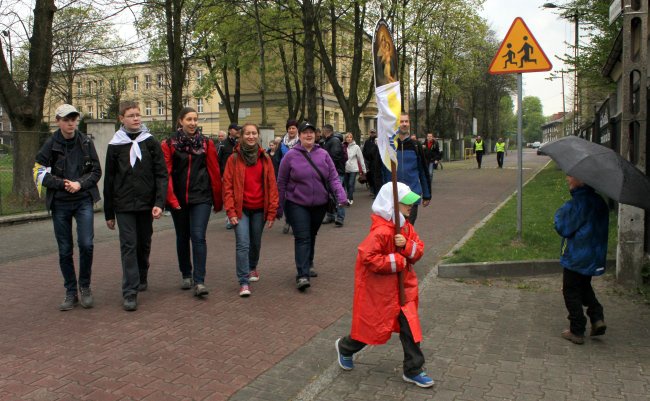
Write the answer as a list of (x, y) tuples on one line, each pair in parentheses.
[(519, 52)]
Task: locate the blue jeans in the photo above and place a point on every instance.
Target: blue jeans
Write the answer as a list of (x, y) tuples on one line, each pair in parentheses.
[(340, 211), (136, 229), (305, 221), (62, 214), (349, 183), (191, 223), (248, 241)]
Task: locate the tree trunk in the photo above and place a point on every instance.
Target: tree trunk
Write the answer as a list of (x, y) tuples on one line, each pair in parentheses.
[(309, 44), (260, 38), (175, 51)]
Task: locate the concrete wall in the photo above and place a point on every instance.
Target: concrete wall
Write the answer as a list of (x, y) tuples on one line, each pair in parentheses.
[(102, 132)]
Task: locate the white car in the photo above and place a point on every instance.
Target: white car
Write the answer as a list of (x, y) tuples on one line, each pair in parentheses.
[(536, 144)]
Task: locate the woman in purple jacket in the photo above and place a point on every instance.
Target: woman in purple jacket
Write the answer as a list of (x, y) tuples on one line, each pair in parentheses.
[(304, 196)]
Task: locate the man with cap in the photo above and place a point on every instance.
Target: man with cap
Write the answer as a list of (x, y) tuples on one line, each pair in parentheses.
[(377, 311), (68, 166), (332, 144)]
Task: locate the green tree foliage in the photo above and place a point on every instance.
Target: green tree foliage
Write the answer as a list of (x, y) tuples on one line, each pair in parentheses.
[(532, 119)]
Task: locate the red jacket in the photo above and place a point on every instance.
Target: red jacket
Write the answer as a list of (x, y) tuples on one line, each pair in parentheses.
[(376, 296), (233, 185), (193, 178)]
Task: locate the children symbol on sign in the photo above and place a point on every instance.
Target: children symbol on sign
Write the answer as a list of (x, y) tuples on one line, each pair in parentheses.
[(527, 50), (509, 55)]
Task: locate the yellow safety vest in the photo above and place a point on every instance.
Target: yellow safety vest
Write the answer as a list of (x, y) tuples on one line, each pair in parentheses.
[(501, 147), (479, 145)]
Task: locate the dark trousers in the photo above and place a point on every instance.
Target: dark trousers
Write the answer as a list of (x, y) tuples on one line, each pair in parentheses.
[(500, 159), (62, 214), (578, 292), (191, 224), (413, 357), (135, 229), (479, 157), (305, 221), (414, 214)]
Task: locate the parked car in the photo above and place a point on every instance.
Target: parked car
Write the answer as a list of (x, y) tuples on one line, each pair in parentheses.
[(536, 144)]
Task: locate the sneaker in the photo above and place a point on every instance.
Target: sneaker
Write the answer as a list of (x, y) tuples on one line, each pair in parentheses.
[(345, 362), (200, 290), (312, 273), (567, 335), (86, 299), (69, 302), (598, 328), (350, 201), (421, 380), (328, 220), (143, 286), (253, 276), (244, 291), (338, 223), (285, 229), (187, 283), (302, 284), (130, 303)]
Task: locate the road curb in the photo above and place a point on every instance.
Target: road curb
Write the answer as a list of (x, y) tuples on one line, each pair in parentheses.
[(526, 268)]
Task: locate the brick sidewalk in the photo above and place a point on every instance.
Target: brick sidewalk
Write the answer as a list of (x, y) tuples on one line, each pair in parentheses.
[(176, 347)]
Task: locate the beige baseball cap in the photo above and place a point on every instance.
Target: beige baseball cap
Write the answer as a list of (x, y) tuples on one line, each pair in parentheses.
[(65, 110)]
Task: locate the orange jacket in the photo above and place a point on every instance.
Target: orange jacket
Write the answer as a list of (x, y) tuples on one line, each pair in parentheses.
[(376, 296), (233, 185)]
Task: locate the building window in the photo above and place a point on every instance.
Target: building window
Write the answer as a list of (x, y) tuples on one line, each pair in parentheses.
[(90, 111), (2, 127), (80, 90), (1, 111), (89, 84), (186, 102), (199, 77), (135, 84), (199, 105), (100, 112), (112, 84), (161, 81), (147, 81), (161, 108), (100, 86), (147, 109)]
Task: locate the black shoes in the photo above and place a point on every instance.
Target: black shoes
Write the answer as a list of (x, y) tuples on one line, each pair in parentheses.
[(598, 328), (143, 286), (68, 303), (130, 303)]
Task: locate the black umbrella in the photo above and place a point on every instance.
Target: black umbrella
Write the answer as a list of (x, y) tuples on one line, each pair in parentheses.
[(602, 169)]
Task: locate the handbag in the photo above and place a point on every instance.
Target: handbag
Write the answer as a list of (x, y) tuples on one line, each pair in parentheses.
[(332, 202)]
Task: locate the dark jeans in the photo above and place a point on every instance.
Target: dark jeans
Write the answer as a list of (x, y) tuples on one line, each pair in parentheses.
[(479, 157), (136, 229), (191, 223), (349, 183), (413, 357), (340, 211), (248, 241), (414, 214), (578, 292), (62, 214), (305, 221), (500, 159)]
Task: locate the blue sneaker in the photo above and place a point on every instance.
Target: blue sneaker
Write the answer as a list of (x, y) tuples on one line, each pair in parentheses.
[(421, 380), (345, 362)]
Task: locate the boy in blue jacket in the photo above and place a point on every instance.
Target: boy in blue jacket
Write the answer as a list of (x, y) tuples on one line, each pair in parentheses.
[(583, 224)]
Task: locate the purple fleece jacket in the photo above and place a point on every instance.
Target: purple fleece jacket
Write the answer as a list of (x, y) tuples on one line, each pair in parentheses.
[(299, 183)]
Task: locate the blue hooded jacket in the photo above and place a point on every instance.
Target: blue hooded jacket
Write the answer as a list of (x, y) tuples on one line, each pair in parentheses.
[(583, 223)]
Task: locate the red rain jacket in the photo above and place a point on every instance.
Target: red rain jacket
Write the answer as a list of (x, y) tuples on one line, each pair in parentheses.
[(376, 296)]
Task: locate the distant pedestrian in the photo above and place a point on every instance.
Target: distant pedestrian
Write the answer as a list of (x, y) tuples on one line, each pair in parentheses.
[(288, 141), (479, 150), (250, 197), (500, 148), (334, 147), (194, 189), (355, 166), (376, 311), (432, 154), (411, 166), (68, 166), (373, 162), (307, 180), (135, 187), (225, 150), (583, 224)]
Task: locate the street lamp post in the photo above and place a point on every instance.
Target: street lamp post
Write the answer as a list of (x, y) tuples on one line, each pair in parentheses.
[(551, 78), (7, 34), (576, 53)]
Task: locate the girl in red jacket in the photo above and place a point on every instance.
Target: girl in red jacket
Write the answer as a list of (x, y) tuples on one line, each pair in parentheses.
[(376, 312)]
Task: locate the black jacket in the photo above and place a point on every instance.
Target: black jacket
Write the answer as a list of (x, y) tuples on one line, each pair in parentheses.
[(137, 188), (431, 154), (224, 152), (74, 160), (333, 146)]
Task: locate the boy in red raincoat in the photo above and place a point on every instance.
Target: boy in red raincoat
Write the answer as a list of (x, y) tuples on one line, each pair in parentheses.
[(376, 312)]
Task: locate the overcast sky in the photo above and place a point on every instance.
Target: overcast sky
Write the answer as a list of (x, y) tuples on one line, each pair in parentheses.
[(551, 33)]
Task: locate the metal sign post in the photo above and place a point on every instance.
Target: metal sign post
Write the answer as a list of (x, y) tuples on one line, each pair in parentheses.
[(520, 153)]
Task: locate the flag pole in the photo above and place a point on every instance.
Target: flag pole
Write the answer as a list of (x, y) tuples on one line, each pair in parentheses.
[(400, 275)]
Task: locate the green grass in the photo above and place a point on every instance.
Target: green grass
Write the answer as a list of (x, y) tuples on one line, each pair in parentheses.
[(497, 239), (9, 204)]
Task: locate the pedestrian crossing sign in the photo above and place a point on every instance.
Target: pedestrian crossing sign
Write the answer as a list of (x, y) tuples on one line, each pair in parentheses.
[(519, 52)]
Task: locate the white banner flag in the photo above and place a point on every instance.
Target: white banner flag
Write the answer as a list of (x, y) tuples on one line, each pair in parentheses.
[(389, 105)]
